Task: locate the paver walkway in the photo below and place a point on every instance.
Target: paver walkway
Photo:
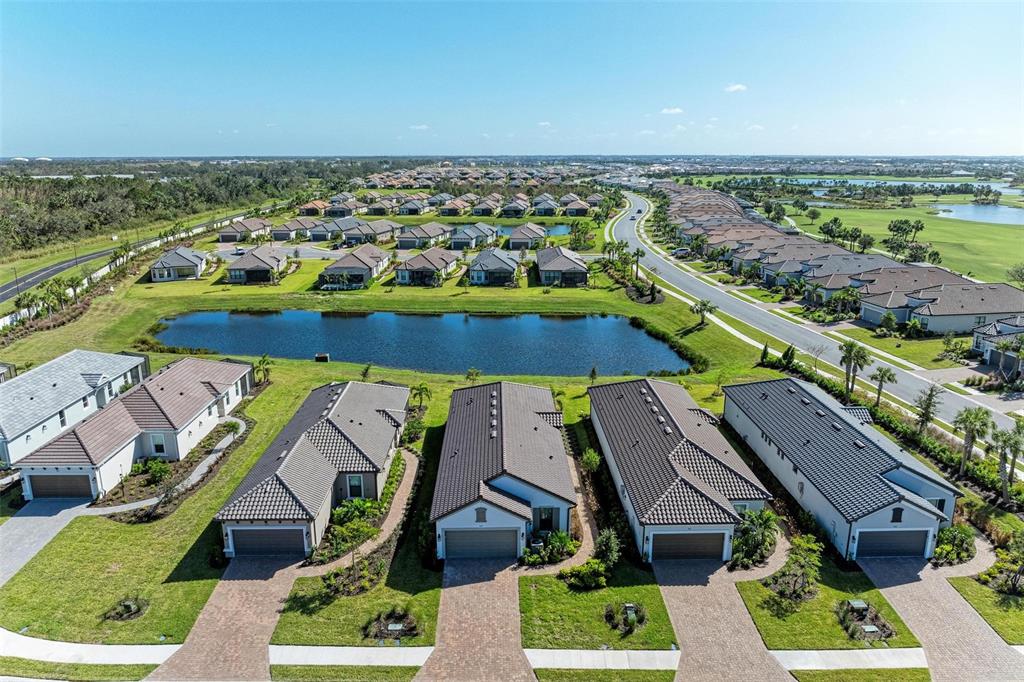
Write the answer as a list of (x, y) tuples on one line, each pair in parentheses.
[(718, 639), (588, 528), (478, 634), (958, 643)]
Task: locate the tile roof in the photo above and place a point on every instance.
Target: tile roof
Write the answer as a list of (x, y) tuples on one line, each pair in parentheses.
[(434, 258), (365, 256), (495, 259), (844, 459), (529, 231), (495, 429), (560, 259), (676, 466), (968, 299), (180, 257), (260, 258), (43, 391), (339, 427)]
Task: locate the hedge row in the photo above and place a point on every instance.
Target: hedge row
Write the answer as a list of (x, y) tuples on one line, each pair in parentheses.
[(698, 361)]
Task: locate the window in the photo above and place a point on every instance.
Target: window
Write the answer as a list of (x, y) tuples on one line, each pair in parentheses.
[(110, 390), (63, 419), (800, 487), (481, 515), (980, 319), (937, 502), (546, 518), (85, 401), (897, 514), (209, 411), (355, 485), (740, 507), (794, 468), (157, 439)]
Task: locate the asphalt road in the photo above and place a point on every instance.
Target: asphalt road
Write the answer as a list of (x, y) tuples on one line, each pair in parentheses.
[(908, 385)]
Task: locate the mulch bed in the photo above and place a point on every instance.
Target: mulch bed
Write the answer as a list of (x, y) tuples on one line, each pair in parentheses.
[(644, 297)]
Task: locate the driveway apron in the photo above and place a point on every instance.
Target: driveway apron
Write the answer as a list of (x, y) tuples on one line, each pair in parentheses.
[(28, 531), (478, 634)]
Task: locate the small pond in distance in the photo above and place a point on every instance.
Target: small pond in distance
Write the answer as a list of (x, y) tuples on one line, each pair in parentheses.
[(982, 213), (448, 344)]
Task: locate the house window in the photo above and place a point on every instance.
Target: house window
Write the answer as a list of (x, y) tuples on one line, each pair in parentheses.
[(740, 507), (157, 439), (546, 518), (85, 401), (980, 319), (209, 411), (63, 419), (355, 485), (481, 515), (800, 487), (937, 502), (897, 515), (110, 390)]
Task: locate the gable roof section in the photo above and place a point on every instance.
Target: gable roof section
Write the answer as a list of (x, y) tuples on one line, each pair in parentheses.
[(258, 259), (365, 256), (969, 299), (179, 258), (529, 231), (434, 258), (495, 259), (560, 259), (499, 429)]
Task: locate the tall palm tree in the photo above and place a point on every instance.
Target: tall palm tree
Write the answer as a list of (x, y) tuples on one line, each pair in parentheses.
[(975, 422), (1017, 450), (27, 300), (855, 357), (421, 392), (703, 307), (1004, 346), (472, 375), (882, 376), (262, 367), (637, 255), (1004, 441)]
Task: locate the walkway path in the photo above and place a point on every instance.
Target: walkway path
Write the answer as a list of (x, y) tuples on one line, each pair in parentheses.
[(718, 639), (478, 635), (958, 643), (588, 528)]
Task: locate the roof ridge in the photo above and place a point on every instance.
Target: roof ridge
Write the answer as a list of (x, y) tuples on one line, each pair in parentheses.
[(700, 448), (284, 484), (693, 475)]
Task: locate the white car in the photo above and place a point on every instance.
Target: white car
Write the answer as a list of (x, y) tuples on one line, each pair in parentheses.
[(239, 251)]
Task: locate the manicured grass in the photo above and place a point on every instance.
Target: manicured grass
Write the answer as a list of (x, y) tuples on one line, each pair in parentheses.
[(555, 617), (1004, 613), (872, 675), (86, 672), (311, 616), (761, 294), (815, 625), (573, 675), (12, 494), (921, 352), (342, 673), (956, 388)]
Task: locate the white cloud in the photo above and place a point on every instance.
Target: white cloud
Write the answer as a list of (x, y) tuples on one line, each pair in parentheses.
[(672, 110), (794, 127), (736, 87), (709, 126), (713, 119), (645, 132), (680, 128), (545, 124), (419, 126), (755, 128)]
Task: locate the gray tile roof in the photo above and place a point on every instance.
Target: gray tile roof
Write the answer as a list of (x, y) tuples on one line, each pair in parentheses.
[(338, 428), (495, 429), (530, 231), (844, 459), (675, 464), (474, 231), (969, 299), (180, 257), (905, 278), (560, 259), (495, 260), (260, 258), (43, 391), (434, 258), (366, 256)]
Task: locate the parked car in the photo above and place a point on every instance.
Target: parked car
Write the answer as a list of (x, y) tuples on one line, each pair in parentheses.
[(639, 210), (632, 217), (680, 253), (239, 251)]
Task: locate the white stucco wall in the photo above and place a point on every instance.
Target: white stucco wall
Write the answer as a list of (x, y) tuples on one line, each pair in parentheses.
[(651, 531), (940, 324), (912, 519), (537, 498), (114, 468), (465, 519)]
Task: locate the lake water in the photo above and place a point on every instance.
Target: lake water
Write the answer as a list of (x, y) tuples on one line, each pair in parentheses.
[(552, 230), (1003, 187), (450, 343), (1003, 215)]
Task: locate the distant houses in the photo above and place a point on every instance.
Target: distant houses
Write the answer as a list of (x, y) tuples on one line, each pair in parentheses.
[(371, 232), (423, 236), (258, 266), (293, 229), (178, 263), (548, 207), (558, 265), (429, 268), (355, 270), (244, 230), (473, 236), (527, 236), (315, 207), (494, 266), (486, 207)]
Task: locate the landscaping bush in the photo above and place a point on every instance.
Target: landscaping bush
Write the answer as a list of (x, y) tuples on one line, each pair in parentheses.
[(158, 470), (590, 460), (558, 545), (590, 575), (356, 508), (755, 538), (414, 429), (797, 580), (625, 620), (954, 545), (128, 608), (377, 627), (606, 547), (1006, 575)]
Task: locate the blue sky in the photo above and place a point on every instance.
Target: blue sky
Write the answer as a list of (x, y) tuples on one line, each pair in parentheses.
[(222, 78)]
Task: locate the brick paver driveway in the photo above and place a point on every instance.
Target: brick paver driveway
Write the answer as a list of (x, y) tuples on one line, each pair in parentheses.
[(478, 634), (958, 643), (229, 640), (717, 639)]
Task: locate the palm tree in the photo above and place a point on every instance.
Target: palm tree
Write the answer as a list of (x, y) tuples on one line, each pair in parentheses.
[(975, 422), (760, 528), (262, 367), (637, 255), (882, 376), (365, 373), (927, 402), (812, 292), (472, 375), (421, 392), (74, 282), (703, 307), (27, 300), (1017, 449), (1004, 346), (855, 357), (1004, 442)]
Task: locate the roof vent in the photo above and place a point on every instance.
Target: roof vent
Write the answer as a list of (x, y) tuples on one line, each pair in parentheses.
[(661, 420), (494, 412), (805, 401), (494, 394), (494, 422), (494, 434), (859, 443), (836, 426), (643, 391), (820, 413), (667, 429), (654, 409), (791, 389)]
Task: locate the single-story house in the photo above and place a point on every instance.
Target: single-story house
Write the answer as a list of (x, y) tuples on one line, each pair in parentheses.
[(486, 207), (514, 209), (885, 289), (378, 208), (163, 417), (315, 207), (355, 270), (989, 336), (439, 199), (328, 231), (959, 308), (241, 230), (179, 263), (339, 445), (595, 199), (341, 198), (577, 209), (454, 207), (427, 268), (870, 497), (527, 236), (49, 399), (293, 229), (494, 266), (682, 485), (504, 472), (345, 209), (548, 207), (372, 232), (567, 199), (541, 198), (414, 207), (473, 236), (559, 265), (257, 266), (423, 236)]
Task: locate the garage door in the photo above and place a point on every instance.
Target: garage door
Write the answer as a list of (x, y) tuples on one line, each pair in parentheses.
[(480, 544), (891, 543), (688, 546), (268, 541), (60, 486)]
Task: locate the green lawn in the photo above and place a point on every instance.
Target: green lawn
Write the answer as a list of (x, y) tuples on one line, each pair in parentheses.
[(555, 617), (873, 675), (761, 294), (921, 352), (815, 625), (342, 673), (13, 494), (573, 675), (1004, 613), (86, 672)]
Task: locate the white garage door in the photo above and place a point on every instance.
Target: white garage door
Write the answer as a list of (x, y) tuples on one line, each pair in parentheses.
[(883, 543), (480, 544), (268, 541)]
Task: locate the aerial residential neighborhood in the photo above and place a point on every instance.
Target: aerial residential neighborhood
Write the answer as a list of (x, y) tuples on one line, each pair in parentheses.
[(684, 345)]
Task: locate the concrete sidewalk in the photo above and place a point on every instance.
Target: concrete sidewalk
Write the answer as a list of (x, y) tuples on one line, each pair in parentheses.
[(13, 644), (606, 659), (851, 659), (350, 655)]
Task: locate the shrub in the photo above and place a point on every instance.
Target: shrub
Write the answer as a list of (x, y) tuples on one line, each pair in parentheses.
[(356, 508), (590, 460), (954, 545), (158, 470), (798, 578), (590, 575), (606, 547), (232, 427), (414, 429), (137, 468), (755, 538)]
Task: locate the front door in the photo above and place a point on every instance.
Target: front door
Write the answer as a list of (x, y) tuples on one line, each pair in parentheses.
[(546, 518)]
